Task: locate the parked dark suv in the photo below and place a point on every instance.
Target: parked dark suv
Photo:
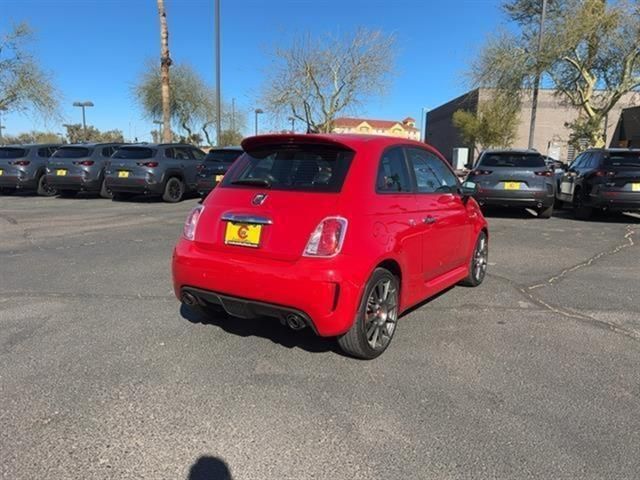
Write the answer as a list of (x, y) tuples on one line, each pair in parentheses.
[(166, 169), (606, 179), (515, 178), (23, 167), (215, 165), (80, 168)]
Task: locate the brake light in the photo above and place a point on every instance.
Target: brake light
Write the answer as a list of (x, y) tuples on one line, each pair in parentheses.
[(22, 163), (190, 225), (604, 173), (87, 163), (546, 173), (150, 164), (327, 239), (481, 172)]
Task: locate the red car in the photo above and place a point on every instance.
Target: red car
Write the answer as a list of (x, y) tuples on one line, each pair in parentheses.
[(339, 233)]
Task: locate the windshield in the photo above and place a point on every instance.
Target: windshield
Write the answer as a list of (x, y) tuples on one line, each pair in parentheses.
[(307, 168), (134, 153), (623, 160), (12, 152), (225, 156), (510, 159), (72, 152)]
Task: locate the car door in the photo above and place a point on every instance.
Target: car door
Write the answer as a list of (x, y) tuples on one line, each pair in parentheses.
[(443, 219), (568, 182)]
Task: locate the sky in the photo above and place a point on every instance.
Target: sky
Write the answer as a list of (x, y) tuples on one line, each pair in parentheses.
[(96, 49)]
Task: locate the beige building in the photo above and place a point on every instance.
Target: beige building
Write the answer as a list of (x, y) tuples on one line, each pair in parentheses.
[(404, 129), (551, 135)]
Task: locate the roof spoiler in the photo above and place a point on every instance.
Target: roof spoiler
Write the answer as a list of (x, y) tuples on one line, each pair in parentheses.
[(253, 143)]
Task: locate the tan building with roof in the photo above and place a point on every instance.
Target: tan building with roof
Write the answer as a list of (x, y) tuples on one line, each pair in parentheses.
[(404, 129)]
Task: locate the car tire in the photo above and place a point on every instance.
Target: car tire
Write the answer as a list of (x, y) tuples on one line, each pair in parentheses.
[(104, 191), (121, 196), (545, 212), (173, 190), (376, 319), (580, 210), (67, 193), (478, 262), (45, 190)]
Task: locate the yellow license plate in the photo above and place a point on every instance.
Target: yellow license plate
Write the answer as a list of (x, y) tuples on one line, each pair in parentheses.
[(635, 187), (219, 178), (512, 185), (123, 174), (61, 173), (244, 234), (1, 172)]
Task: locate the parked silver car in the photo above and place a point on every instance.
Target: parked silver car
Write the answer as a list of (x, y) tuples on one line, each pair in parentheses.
[(23, 167), (80, 168), (515, 178), (167, 169)]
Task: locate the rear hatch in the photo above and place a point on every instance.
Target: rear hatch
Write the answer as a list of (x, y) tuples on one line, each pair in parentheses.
[(623, 171), (67, 160), (133, 161), (8, 158), (218, 161), (512, 171), (274, 197)]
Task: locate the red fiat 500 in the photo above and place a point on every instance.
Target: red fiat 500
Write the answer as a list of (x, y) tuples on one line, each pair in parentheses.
[(339, 233)]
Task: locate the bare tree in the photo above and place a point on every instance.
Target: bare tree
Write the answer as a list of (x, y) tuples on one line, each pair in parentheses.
[(165, 63), (315, 79)]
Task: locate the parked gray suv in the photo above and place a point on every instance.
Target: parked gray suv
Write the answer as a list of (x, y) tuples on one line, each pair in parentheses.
[(80, 168), (23, 167), (166, 169)]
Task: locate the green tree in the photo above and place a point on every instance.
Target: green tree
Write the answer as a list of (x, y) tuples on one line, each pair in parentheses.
[(493, 125), (590, 55), (24, 86), (315, 79), (75, 134), (193, 106), (230, 138), (32, 137)]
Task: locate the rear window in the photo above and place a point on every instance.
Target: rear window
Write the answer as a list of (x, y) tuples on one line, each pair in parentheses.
[(623, 160), (12, 152), (134, 153), (224, 156), (522, 160), (72, 152), (305, 168)]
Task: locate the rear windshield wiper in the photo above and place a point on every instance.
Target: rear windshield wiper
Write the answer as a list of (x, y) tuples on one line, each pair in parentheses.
[(262, 182)]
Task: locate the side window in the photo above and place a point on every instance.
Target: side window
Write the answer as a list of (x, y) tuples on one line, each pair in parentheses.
[(169, 153), (43, 152), (432, 175), (182, 153), (392, 172), (198, 154), (107, 151), (594, 161), (579, 161)]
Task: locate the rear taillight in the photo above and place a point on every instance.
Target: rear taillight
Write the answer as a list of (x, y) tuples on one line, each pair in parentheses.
[(604, 173), (150, 164), (22, 163), (481, 172), (87, 163), (546, 173), (189, 230), (327, 239)]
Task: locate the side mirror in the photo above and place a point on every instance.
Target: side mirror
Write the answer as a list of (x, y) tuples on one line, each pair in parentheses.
[(469, 189)]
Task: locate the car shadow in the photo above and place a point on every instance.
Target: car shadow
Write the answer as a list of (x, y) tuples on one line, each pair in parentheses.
[(504, 212), (209, 468), (264, 327), (599, 217)]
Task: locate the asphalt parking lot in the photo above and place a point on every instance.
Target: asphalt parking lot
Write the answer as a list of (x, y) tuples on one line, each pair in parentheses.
[(102, 374)]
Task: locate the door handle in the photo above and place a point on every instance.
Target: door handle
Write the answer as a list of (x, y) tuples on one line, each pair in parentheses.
[(429, 220)]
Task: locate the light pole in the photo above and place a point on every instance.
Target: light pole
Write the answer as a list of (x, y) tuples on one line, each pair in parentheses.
[(83, 105), (536, 80), (258, 111), (423, 132), (159, 123), (293, 124), (218, 94)]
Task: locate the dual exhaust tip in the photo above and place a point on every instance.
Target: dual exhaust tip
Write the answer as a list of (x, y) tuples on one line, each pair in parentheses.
[(292, 320)]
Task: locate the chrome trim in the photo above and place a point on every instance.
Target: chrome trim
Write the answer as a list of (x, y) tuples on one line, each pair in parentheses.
[(236, 218)]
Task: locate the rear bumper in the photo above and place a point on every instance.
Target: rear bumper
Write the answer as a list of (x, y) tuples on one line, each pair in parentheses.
[(138, 185), (515, 198), (74, 182), (325, 292), (19, 182), (619, 201)]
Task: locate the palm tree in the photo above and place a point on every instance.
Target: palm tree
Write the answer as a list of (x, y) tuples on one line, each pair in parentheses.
[(165, 63)]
